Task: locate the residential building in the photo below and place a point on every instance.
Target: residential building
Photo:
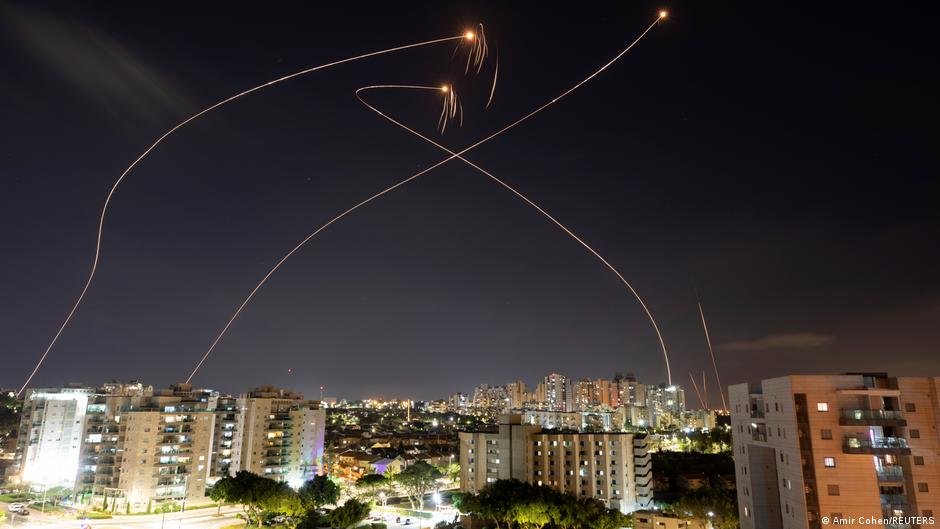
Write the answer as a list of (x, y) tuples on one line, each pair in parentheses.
[(665, 405), (555, 393), (842, 449), (166, 453), (280, 435), (612, 467), (50, 436), (518, 394), (571, 420)]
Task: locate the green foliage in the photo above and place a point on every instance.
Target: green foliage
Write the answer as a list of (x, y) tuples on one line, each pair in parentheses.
[(258, 495), (350, 513), (417, 480), (698, 504), (513, 503), (372, 483), (319, 491)]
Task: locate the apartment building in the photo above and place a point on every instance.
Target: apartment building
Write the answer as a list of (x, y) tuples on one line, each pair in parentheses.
[(280, 435), (224, 435), (166, 453), (571, 420), (50, 435), (862, 449), (132, 447), (612, 467)]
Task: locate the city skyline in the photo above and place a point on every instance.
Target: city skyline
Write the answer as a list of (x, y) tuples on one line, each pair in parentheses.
[(711, 159)]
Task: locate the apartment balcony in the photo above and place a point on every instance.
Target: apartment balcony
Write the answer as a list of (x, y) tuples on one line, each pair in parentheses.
[(893, 474), (893, 505), (879, 445), (849, 417)]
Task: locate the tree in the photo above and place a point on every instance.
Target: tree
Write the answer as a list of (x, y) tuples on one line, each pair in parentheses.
[(219, 492), (452, 471), (258, 494), (371, 483), (532, 513), (417, 480), (349, 514), (721, 505), (319, 491)]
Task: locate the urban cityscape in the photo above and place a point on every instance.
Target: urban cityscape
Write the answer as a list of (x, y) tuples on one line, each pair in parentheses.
[(257, 274)]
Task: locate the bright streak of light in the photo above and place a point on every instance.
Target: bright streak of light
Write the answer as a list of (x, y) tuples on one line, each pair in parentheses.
[(104, 209), (526, 199), (697, 392), (478, 51), (493, 88), (451, 108), (524, 118), (711, 352)]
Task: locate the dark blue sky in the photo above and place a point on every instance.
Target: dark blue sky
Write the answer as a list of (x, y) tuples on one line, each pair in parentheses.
[(776, 157)]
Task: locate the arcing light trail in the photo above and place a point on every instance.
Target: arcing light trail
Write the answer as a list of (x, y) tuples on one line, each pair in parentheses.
[(711, 352), (476, 52), (527, 201), (381, 193)]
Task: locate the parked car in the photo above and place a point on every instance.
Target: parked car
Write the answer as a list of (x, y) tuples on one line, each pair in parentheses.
[(19, 508)]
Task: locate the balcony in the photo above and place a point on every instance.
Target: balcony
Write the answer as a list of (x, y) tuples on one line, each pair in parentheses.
[(891, 474), (893, 505), (850, 417), (879, 445)]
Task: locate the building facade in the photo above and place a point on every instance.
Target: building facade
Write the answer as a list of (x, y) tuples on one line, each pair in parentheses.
[(609, 466), (812, 449), (132, 448), (50, 436), (280, 436)]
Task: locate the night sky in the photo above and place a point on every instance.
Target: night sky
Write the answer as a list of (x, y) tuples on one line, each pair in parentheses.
[(779, 159)]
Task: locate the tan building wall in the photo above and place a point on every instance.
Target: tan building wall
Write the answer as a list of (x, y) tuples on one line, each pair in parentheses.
[(836, 446), (166, 457), (605, 466), (279, 438)]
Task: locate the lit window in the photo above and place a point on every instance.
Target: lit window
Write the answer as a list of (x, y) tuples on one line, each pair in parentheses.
[(829, 462), (822, 406)]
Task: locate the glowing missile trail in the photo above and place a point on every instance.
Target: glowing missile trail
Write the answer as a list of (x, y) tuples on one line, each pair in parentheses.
[(711, 352), (524, 118), (527, 201), (697, 392), (478, 42), (493, 88)]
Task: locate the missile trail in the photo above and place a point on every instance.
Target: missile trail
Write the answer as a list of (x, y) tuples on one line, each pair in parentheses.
[(477, 43), (711, 352), (697, 392), (530, 203), (524, 118)]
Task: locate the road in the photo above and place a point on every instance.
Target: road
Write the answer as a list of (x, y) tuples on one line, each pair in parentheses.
[(195, 519)]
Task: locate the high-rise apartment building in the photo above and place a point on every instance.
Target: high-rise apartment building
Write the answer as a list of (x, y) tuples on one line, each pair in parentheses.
[(518, 394), (665, 405), (555, 393), (280, 435), (224, 435), (50, 436), (133, 448), (612, 467), (166, 453), (858, 450)]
